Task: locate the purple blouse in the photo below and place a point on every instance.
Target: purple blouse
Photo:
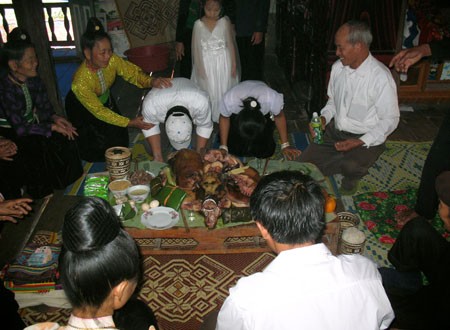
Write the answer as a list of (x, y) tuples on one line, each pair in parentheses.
[(13, 107)]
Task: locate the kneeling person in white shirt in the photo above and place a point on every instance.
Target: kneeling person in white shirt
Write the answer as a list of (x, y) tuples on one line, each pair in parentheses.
[(179, 108), (305, 286)]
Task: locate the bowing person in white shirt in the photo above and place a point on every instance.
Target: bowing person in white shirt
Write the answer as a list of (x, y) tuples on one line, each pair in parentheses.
[(179, 108), (249, 113), (361, 112)]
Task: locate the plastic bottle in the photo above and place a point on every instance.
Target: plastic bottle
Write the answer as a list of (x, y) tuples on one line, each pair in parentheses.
[(316, 125)]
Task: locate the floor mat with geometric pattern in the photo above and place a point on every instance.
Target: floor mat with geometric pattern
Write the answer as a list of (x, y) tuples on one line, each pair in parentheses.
[(181, 290)]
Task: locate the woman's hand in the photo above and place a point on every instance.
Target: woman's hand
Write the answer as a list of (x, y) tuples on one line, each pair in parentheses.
[(290, 153), (65, 127), (139, 122), (161, 82), (7, 149), (14, 208)]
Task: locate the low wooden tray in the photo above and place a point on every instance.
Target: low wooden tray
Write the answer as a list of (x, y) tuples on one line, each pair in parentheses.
[(237, 239)]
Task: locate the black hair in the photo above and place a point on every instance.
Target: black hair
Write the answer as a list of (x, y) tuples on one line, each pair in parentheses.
[(250, 121), (290, 205), (221, 3), (94, 32), (18, 41), (135, 315), (177, 108), (97, 253)]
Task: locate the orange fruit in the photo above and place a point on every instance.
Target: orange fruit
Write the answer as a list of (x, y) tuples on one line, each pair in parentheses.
[(330, 204)]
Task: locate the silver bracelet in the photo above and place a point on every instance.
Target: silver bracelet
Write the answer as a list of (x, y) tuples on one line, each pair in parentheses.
[(285, 145), (223, 147)]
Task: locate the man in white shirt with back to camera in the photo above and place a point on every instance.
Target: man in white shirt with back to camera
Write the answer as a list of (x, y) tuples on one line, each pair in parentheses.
[(361, 112), (179, 108), (305, 286)]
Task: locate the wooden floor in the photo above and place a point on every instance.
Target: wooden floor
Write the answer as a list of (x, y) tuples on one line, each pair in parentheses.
[(420, 125)]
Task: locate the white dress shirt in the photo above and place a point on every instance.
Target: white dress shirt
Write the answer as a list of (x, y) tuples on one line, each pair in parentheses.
[(363, 101), (269, 99), (309, 288), (182, 93)]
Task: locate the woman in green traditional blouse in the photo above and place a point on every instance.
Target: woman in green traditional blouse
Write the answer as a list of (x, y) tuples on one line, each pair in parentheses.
[(89, 104)]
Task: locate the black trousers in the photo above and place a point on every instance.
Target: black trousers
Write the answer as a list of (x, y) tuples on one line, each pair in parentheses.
[(438, 161), (186, 61), (419, 247), (94, 135), (41, 164), (252, 58)]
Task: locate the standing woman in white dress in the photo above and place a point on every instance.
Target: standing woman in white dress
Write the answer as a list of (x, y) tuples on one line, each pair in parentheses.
[(215, 60)]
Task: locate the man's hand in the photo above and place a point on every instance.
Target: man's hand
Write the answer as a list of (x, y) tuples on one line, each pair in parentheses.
[(139, 123), (347, 145), (407, 57), (257, 38), (291, 153), (179, 50), (14, 208)]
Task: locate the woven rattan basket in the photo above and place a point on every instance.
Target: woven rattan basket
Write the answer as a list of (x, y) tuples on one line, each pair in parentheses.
[(346, 220), (118, 162)]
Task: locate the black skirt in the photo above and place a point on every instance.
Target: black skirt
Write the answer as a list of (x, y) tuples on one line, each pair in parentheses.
[(94, 135)]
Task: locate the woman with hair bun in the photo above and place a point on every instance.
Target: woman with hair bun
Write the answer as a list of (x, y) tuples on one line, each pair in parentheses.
[(89, 104), (249, 113), (99, 266), (45, 155)]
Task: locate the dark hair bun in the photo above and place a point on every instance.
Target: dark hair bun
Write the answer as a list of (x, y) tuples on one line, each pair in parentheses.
[(251, 103), (18, 34), (94, 26), (89, 225)]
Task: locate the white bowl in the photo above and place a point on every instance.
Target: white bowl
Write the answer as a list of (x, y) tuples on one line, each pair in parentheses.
[(138, 193), (119, 187)]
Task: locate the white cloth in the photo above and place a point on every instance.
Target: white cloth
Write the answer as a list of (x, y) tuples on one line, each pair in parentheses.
[(363, 101), (269, 99), (214, 53), (182, 93), (309, 288), (75, 323)]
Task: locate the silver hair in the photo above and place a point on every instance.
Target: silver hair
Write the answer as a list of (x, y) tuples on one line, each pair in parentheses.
[(359, 31)]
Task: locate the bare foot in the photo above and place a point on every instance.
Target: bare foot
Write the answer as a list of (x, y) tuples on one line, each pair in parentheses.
[(405, 216)]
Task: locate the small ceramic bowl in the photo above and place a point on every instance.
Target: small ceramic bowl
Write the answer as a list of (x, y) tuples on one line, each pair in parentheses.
[(119, 188), (138, 193)]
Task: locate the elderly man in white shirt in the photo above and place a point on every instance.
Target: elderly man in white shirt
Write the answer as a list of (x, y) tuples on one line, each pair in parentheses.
[(361, 112), (178, 107), (305, 286)]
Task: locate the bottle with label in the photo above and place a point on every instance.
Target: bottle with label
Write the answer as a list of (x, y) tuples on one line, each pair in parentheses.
[(316, 125)]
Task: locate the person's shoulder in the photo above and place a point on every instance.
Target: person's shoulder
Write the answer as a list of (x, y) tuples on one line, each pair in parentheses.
[(356, 265)]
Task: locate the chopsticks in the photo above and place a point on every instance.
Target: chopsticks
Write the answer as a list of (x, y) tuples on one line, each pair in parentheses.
[(186, 225)]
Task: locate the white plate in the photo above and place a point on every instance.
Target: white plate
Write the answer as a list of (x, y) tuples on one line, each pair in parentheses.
[(160, 218)]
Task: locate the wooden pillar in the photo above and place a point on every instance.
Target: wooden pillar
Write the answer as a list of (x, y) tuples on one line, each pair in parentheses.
[(30, 16)]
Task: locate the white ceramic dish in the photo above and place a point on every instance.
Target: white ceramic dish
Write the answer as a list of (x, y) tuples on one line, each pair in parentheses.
[(160, 218), (138, 193)]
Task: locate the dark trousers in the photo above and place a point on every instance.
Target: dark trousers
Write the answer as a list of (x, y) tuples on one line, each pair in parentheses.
[(41, 164), (353, 164), (252, 58), (186, 61), (8, 310), (438, 161), (419, 247), (94, 135)]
